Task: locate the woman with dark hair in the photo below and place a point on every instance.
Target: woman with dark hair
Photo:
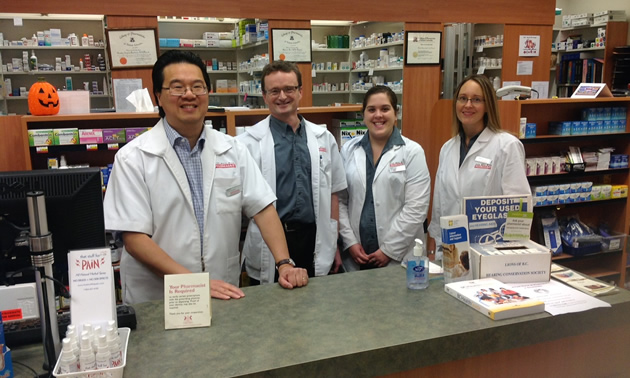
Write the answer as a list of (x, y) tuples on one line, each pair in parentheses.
[(387, 200), (480, 159)]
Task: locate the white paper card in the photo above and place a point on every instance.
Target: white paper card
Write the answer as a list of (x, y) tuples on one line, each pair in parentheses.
[(187, 300), (91, 287), (542, 87), (524, 67)]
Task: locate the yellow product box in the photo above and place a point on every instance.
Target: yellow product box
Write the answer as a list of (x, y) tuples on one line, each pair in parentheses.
[(619, 191), (41, 137), (65, 136), (222, 86)]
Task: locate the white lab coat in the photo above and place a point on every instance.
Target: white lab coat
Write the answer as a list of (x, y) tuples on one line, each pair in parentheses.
[(327, 177), (495, 165), (148, 192), (401, 190)]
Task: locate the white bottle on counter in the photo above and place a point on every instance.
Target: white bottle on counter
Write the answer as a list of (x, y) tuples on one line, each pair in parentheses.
[(103, 360), (418, 268), (87, 359), (113, 342), (68, 362)]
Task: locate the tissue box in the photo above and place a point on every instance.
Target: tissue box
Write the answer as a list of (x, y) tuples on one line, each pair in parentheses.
[(522, 261)]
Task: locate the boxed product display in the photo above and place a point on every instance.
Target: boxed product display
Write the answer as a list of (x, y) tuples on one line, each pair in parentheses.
[(41, 137), (114, 136), (132, 133), (91, 136), (522, 261), (66, 136), (113, 372)]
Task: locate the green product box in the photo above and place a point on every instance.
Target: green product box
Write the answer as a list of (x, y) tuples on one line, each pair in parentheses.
[(41, 137), (65, 136)]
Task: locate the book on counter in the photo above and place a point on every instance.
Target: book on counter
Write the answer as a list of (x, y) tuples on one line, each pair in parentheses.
[(494, 299)]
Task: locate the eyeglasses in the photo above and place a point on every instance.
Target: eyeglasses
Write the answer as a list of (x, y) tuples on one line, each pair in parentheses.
[(463, 100), (287, 91), (180, 90)]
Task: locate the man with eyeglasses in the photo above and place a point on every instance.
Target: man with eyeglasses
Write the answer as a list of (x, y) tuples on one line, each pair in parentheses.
[(177, 193), (301, 162)]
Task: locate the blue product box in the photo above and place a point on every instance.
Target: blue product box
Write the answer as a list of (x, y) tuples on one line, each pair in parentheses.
[(172, 42), (592, 127), (608, 126), (622, 125), (530, 130), (162, 42), (599, 114), (607, 114), (599, 127), (6, 366), (553, 190), (560, 128), (575, 127)]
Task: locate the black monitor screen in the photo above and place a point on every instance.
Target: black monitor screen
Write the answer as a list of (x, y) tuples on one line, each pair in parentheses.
[(74, 207)]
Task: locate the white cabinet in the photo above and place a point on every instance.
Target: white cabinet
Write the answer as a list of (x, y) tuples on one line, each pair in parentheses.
[(374, 56), (234, 71), (47, 57)]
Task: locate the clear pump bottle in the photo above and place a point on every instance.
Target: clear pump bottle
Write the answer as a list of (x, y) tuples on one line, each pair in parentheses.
[(418, 268)]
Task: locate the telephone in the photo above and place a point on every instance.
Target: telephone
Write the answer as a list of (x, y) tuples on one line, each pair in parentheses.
[(516, 90)]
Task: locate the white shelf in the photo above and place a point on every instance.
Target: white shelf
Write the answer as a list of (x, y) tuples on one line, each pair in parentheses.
[(490, 47), (255, 44), (330, 92), (51, 48), (210, 72), (583, 27), (490, 68), (583, 49), (222, 94), (319, 49), (332, 71), (378, 69), (249, 94), (249, 72), (17, 98), (383, 45), (37, 73)]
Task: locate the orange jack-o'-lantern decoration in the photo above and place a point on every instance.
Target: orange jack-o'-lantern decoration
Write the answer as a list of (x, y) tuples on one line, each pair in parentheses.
[(43, 98)]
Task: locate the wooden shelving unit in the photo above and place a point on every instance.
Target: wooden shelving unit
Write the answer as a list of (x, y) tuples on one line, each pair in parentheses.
[(613, 265)]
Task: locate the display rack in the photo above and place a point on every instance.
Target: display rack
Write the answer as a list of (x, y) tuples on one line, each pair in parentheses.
[(611, 265), (91, 25), (616, 35)]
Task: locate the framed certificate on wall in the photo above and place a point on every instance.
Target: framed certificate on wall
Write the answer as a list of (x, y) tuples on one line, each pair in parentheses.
[(131, 48), (292, 45), (423, 47)]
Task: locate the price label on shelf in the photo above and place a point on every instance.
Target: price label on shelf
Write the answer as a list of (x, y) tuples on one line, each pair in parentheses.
[(91, 147), (42, 149), (112, 146)]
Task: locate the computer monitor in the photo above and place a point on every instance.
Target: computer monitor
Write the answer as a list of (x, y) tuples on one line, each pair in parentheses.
[(74, 207)]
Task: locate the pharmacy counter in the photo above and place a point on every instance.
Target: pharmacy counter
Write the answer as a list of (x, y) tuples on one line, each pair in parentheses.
[(367, 323)]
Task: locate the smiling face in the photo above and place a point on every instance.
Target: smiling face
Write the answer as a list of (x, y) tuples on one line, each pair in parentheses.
[(379, 117), (184, 113), (282, 106), (471, 112)]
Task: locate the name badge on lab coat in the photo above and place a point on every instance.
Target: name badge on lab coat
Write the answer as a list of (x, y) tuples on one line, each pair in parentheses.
[(483, 163), (233, 191), (397, 167)]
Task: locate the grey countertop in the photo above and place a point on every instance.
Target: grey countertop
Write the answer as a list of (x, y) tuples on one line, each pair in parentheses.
[(355, 324), (348, 325)]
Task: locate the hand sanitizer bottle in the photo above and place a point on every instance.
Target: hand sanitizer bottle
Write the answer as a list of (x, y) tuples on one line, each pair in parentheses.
[(418, 268)]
